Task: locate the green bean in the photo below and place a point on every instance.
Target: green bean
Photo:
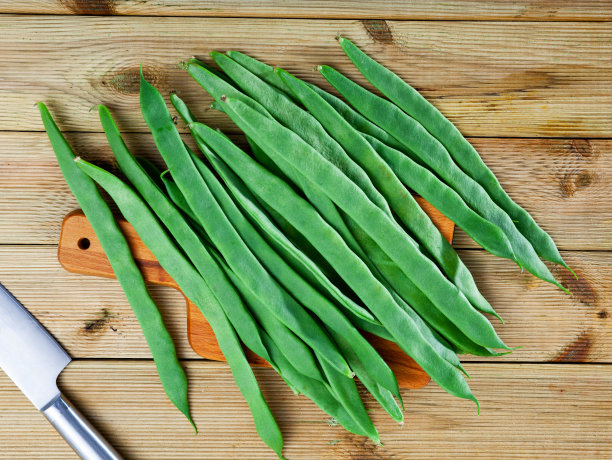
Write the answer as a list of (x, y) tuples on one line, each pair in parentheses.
[(294, 349), (222, 233), (214, 84), (301, 290), (301, 122), (348, 265), (227, 297), (400, 200), (415, 137), (191, 283), (152, 170), (444, 198), (465, 155), (312, 389), (358, 121), (346, 392), (305, 266), (421, 270), (359, 316), (320, 201), (382, 395), (120, 257)]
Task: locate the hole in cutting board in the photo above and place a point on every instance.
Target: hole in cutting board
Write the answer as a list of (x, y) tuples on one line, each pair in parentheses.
[(83, 243)]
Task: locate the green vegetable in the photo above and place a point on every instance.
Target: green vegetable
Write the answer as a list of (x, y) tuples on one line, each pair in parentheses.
[(191, 283), (387, 234), (349, 266), (464, 154), (187, 239), (400, 200), (301, 290), (222, 234), (418, 140), (120, 257)]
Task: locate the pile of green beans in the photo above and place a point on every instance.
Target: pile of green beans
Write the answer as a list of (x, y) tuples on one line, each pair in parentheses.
[(293, 247)]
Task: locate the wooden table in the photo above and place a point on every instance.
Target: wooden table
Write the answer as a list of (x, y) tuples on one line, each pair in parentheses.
[(529, 82)]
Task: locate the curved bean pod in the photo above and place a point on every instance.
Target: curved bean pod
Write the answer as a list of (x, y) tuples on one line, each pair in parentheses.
[(312, 389), (301, 122), (191, 283), (401, 201), (465, 155), (349, 266), (120, 257), (418, 140), (301, 290), (387, 234), (302, 263), (223, 235), (226, 295)]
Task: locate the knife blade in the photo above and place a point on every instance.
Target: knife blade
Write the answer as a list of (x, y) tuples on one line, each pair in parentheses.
[(33, 360)]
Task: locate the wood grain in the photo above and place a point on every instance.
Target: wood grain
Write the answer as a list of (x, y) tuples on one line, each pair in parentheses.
[(80, 251), (491, 78), (564, 184), (528, 411), (92, 319), (556, 10)]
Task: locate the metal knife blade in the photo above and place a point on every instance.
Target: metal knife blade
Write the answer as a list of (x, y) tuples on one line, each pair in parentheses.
[(29, 355)]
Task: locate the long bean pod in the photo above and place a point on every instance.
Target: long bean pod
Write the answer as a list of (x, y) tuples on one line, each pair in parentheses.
[(191, 283), (302, 263), (120, 257), (223, 235), (301, 122), (464, 154), (348, 265), (398, 197), (301, 290), (319, 200), (228, 298), (420, 269), (429, 149)]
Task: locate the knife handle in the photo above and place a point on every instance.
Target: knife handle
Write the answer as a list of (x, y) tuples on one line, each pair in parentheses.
[(78, 432)]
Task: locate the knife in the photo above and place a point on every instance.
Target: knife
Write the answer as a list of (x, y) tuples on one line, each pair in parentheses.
[(33, 360)]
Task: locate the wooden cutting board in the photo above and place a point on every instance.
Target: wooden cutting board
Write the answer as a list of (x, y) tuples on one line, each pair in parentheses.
[(79, 251)]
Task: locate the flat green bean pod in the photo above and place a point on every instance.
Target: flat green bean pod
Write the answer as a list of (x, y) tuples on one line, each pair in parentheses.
[(301, 290), (346, 392), (464, 154), (319, 200), (312, 389), (358, 121), (301, 122), (225, 293), (120, 257), (302, 263), (429, 149), (387, 234), (223, 235), (401, 201), (349, 266), (191, 283), (294, 349)]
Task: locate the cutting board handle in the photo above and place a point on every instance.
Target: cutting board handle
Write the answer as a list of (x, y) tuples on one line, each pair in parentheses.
[(79, 251)]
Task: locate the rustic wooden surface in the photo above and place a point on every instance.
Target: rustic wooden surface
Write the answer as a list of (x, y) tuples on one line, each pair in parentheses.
[(535, 98)]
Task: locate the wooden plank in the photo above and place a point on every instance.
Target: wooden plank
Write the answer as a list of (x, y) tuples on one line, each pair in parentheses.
[(530, 10), (528, 411), (563, 183), (490, 78), (92, 319)]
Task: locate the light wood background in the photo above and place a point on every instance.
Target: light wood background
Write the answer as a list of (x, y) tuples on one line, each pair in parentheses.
[(530, 83)]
